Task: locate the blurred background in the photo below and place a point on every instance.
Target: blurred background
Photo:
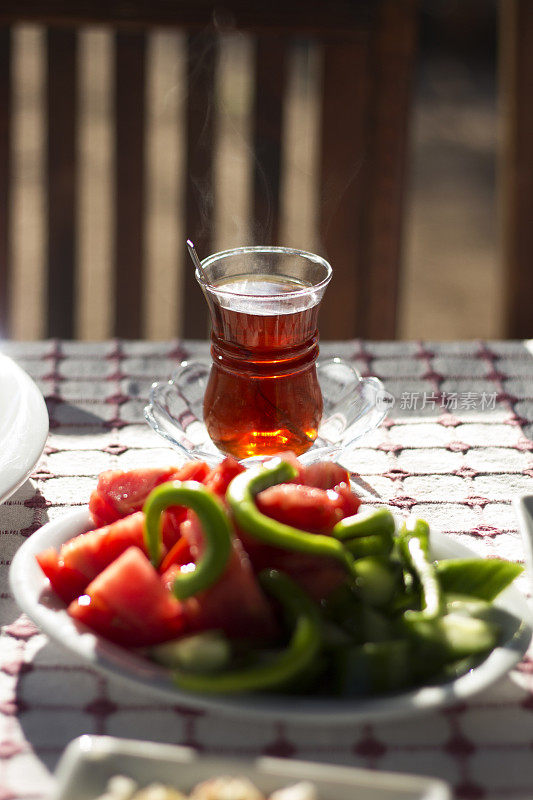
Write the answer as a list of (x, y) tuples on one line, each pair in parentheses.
[(451, 277)]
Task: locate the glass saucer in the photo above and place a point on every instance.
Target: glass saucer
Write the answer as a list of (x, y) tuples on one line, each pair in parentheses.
[(353, 406)]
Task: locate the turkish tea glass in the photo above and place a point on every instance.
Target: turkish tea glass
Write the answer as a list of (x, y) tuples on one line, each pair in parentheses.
[(263, 395)]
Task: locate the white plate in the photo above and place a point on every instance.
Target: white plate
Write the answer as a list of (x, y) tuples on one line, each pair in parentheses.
[(90, 761), (23, 426), (33, 595)]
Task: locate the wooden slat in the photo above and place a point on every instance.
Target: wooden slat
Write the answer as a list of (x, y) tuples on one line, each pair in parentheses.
[(61, 180), (199, 179), (516, 179), (270, 85), (393, 68), (298, 15), (5, 140), (130, 52), (343, 178), (365, 108)]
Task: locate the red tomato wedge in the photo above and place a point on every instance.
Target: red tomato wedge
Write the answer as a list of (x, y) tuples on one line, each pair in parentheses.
[(235, 604), (81, 559), (179, 554), (318, 576), (193, 471), (121, 493), (222, 475), (303, 507), (348, 501), (291, 458), (324, 475), (66, 582), (128, 604)]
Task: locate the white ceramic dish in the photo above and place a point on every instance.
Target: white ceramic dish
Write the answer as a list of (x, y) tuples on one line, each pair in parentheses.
[(90, 761), (353, 406), (32, 593), (23, 426), (523, 507)]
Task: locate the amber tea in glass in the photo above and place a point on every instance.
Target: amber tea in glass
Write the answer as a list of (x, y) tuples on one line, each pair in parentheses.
[(263, 395)]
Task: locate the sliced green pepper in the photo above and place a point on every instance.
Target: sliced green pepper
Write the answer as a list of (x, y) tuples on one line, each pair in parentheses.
[(377, 580), (436, 642), (216, 529), (363, 546), (378, 522), (302, 650), (413, 545), (484, 579), (241, 498)]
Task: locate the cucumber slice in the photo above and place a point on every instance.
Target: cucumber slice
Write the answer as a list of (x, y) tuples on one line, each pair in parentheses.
[(203, 652), (467, 606), (483, 578), (451, 637)]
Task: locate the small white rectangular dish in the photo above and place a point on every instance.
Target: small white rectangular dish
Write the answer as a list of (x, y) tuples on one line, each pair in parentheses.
[(90, 761)]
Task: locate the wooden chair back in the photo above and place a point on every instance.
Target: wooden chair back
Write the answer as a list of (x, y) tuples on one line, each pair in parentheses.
[(516, 165), (368, 51)]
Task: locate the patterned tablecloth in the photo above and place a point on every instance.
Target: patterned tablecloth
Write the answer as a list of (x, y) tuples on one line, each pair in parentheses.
[(457, 445)]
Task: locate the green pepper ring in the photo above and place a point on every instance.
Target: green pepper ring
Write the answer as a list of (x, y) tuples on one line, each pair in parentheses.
[(413, 543), (241, 498), (216, 529)]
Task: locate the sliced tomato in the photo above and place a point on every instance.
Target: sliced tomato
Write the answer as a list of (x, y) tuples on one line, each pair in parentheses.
[(66, 581), (325, 475), (102, 509), (306, 507), (293, 460), (179, 554), (303, 507), (235, 604), (128, 604), (81, 559), (349, 502), (317, 575), (121, 493), (91, 552), (193, 471), (221, 476)]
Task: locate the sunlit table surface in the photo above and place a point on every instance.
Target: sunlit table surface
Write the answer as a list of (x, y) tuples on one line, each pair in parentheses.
[(455, 448)]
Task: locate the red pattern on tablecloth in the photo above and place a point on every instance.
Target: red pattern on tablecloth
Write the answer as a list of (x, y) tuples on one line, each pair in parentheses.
[(459, 467)]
